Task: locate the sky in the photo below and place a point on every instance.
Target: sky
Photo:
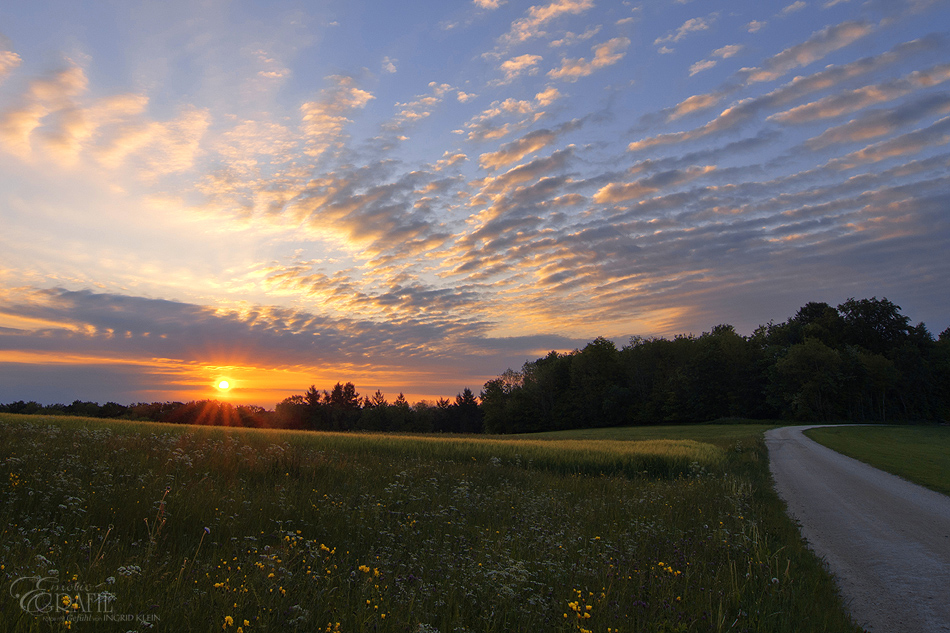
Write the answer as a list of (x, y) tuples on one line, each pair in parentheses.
[(288, 193)]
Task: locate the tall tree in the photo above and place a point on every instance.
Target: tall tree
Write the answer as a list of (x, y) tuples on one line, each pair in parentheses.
[(874, 324)]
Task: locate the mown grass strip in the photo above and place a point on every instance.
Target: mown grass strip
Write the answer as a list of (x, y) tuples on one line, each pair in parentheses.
[(920, 454)]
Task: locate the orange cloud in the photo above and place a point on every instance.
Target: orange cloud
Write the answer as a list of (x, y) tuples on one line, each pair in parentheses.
[(523, 64), (911, 143), (853, 100), (44, 97), (516, 150), (531, 25), (323, 120), (695, 103), (547, 96), (606, 54), (616, 192), (8, 62), (820, 44)]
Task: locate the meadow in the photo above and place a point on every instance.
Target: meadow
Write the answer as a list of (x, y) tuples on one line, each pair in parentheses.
[(920, 454), (118, 526)]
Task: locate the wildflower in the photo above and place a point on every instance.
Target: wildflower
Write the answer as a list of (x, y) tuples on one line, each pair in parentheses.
[(228, 621)]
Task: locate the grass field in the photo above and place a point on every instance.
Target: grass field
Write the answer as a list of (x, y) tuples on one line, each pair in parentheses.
[(920, 454), (116, 526)]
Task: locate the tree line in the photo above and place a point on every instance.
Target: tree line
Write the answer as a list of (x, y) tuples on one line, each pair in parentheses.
[(861, 361), (339, 409)]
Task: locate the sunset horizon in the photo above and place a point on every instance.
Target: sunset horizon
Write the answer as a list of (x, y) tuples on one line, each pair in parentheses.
[(279, 196)]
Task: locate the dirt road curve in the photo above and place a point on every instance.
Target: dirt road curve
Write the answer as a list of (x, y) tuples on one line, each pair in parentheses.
[(886, 540)]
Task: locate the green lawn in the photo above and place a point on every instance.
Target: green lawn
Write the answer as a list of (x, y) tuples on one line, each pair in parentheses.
[(917, 453)]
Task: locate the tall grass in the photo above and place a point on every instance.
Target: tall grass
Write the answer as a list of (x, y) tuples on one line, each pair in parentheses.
[(189, 529)]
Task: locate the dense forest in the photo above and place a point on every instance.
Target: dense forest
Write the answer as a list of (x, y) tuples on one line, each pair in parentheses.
[(861, 362)]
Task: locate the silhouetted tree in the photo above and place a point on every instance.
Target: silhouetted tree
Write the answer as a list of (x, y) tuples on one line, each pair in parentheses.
[(469, 415)]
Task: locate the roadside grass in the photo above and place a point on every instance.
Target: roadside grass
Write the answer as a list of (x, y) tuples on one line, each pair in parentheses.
[(148, 527), (920, 454)]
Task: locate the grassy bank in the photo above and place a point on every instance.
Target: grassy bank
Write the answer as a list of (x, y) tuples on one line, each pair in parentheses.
[(186, 529), (920, 454)]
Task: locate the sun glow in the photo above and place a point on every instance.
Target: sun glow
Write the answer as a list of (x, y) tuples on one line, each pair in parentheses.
[(224, 385)]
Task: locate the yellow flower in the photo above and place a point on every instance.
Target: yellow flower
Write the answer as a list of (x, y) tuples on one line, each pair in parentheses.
[(228, 621)]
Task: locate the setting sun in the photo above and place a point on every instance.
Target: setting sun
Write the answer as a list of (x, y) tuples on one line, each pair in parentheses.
[(224, 385)]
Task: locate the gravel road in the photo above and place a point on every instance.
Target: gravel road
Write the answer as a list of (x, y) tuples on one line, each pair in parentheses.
[(887, 541)]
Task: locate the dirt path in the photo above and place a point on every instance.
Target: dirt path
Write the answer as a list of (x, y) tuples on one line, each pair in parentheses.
[(887, 541)]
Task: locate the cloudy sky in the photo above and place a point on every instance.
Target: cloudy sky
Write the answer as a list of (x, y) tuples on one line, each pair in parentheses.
[(288, 193)]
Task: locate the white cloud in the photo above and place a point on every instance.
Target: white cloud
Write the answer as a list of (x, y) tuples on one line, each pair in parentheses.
[(570, 38), (755, 26), (700, 66), (727, 51), (689, 26), (389, 64), (420, 107), (794, 7)]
